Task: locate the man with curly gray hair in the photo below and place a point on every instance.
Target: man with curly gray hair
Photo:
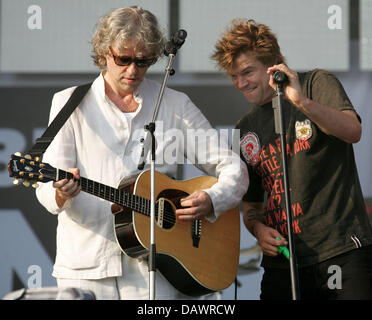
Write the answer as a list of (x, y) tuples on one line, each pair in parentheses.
[(101, 141), (128, 28), (121, 37)]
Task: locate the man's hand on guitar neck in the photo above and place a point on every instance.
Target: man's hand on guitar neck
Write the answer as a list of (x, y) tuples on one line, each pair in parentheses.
[(197, 205), (67, 189)]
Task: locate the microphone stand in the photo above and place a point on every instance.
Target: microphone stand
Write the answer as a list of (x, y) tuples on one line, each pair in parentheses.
[(280, 78), (170, 50)]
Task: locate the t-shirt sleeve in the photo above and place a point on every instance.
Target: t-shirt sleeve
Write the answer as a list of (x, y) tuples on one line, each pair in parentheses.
[(326, 89)]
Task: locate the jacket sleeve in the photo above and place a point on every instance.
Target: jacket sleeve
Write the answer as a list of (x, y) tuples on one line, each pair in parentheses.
[(209, 151)]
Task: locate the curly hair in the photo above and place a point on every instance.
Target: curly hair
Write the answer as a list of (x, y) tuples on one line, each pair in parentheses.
[(243, 36), (132, 26)]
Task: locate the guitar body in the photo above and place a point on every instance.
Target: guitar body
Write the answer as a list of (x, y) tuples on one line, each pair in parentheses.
[(195, 257)]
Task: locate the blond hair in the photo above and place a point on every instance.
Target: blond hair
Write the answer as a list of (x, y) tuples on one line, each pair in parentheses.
[(243, 36)]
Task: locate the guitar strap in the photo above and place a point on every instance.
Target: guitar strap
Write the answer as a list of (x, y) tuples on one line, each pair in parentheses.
[(45, 140)]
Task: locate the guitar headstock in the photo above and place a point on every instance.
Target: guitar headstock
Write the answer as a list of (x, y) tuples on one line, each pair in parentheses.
[(29, 170)]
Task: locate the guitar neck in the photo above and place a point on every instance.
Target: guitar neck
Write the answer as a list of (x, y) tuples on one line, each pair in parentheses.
[(111, 194)]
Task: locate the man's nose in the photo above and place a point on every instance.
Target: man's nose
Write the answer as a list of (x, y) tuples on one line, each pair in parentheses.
[(132, 68)]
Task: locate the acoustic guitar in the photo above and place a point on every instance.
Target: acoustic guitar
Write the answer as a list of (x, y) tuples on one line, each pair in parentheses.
[(196, 257)]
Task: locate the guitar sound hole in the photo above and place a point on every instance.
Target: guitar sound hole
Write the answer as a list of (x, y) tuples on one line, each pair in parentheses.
[(167, 217), (172, 199)]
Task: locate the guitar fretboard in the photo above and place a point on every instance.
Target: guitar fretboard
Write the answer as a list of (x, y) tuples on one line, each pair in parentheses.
[(111, 194)]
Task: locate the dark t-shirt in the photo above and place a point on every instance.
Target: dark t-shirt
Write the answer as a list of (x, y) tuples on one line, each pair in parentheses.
[(327, 205)]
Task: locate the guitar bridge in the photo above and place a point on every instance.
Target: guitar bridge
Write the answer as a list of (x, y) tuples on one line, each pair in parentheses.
[(160, 217), (196, 232)]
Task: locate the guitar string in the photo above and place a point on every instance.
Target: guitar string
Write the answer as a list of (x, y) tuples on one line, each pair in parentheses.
[(133, 201), (169, 216), (117, 195)]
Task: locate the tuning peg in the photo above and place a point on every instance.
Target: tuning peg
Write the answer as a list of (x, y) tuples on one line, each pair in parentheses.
[(16, 182), (37, 159), (28, 157), (26, 183), (18, 154), (35, 185)]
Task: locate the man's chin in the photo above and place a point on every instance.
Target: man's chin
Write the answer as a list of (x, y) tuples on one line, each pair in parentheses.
[(250, 99), (129, 85)]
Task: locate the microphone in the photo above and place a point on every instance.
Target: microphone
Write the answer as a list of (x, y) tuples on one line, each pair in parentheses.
[(175, 42), (280, 77)]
